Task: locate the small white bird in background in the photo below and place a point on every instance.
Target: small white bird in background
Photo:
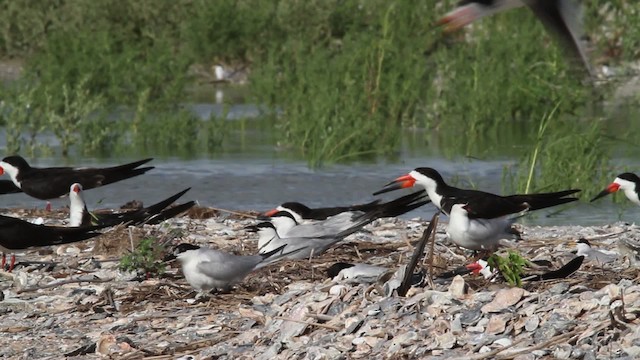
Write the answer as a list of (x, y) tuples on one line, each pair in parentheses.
[(585, 249), (206, 269)]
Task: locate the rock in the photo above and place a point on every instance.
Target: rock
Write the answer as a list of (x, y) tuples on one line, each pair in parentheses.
[(503, 299)]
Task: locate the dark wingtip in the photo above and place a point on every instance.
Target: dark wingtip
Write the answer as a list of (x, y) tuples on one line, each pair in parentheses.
[(602, 193), (389, 187)]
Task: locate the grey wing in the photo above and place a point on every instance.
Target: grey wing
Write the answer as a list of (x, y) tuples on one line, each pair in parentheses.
[(227, 267)]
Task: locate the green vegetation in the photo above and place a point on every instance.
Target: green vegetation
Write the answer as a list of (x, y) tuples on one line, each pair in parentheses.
[(341, 80), (145, 259), (511, 266)]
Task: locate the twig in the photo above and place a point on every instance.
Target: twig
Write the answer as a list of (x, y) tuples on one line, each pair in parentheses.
[(494, 352), (415, 258), (167, 316), (435, 219), (334, 328), (235, 213), (63, 282)]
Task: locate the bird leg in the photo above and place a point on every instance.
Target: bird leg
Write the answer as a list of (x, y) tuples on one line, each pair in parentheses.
[(13, 262), (48, 206)]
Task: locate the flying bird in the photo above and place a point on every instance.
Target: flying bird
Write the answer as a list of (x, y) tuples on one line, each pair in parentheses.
[(560, 17)]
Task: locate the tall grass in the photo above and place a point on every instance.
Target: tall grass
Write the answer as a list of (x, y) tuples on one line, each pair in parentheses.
[(342, 79)]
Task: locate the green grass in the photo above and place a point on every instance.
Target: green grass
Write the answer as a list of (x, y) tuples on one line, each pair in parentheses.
[(342, 80)]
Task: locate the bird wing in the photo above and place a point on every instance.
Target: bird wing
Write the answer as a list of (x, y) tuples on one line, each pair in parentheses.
[(227, 267)]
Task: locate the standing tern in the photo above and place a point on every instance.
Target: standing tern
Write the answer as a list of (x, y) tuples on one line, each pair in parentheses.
[(585, 249), (206, 269), (53, 182)]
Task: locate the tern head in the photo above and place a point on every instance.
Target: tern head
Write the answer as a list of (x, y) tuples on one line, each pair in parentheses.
[(626, 182), (181, 251), (262, 228), (582, 247)]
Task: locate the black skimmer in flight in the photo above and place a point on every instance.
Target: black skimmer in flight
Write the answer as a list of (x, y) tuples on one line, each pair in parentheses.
[(54, 182), (287, 225), (560, 17), (627, 182), (481, 204), (154, 214), (206, 269), (16, 234)]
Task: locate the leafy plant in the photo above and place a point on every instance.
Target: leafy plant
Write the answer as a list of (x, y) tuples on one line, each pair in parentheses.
[(511, 266), (145, 259)]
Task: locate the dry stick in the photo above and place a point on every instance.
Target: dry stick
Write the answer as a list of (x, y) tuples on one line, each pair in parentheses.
[(334, 328), (496, 351), (62, 282), (552, 341), (167, 316), (415, 258), (235, 213), (435, 219)]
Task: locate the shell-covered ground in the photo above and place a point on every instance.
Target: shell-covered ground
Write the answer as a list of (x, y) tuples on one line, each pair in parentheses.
[(73, 300)]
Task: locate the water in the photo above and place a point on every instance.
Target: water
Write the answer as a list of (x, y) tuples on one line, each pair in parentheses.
[(256, 175)]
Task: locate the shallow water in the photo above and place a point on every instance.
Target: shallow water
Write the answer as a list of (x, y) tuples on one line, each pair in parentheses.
[(254, 174), (243, 182)]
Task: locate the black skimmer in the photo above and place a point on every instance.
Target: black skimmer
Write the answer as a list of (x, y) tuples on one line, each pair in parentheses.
[(287, 226), (560, 17), (16, 234), (54, 182), (154, 214), (302, 212), (481, 204), (206, 269), (627, 182)]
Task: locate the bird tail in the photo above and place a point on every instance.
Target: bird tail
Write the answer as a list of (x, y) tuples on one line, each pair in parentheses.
[(169, 213), (161, 205), (277, 254), (545, 200), (68, 235), (121, 172)]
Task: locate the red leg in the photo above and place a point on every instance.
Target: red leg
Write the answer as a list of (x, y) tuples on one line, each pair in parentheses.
[(13, 262), (48, 206)]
